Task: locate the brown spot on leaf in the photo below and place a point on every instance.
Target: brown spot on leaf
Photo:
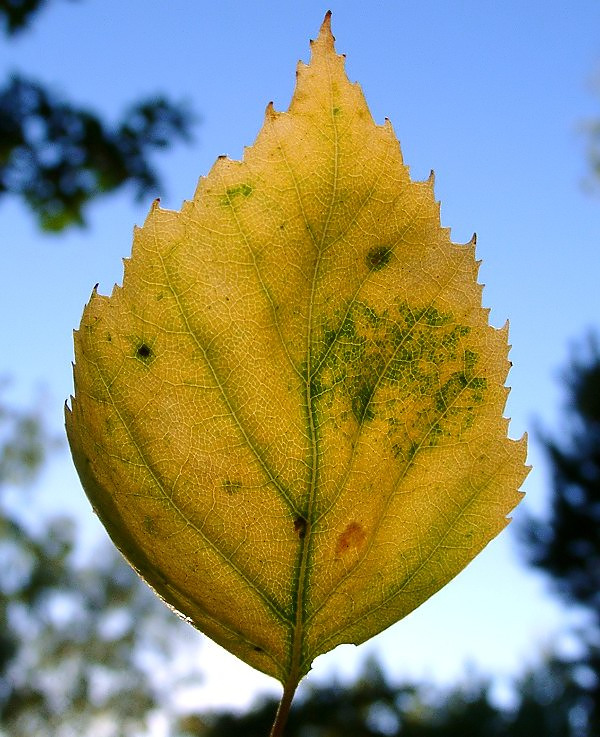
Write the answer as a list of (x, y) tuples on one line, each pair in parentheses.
[(378, 257), (352, 537), (300, 525), (144, 352)]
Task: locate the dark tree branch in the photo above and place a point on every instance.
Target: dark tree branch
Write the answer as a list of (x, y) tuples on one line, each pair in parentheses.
[(16, 15), (59, 157)]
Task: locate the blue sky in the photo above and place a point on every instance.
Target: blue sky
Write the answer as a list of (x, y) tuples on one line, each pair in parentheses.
[(493, 96)]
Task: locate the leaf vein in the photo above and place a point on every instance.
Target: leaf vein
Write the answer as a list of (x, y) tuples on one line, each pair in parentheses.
[(272, 604)]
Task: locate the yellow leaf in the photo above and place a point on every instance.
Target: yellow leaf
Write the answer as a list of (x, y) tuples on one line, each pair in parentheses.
[(289, 417)]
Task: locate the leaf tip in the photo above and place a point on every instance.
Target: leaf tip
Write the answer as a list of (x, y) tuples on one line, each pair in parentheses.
[(326, 39)]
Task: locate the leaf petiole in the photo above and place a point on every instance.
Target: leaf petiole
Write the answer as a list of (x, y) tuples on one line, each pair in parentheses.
[(283, 710)]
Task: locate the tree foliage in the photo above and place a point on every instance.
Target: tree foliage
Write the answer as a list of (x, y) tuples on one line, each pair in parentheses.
[(15, 15), (565, 544), (74, 637), (58, 157), (374, 706)]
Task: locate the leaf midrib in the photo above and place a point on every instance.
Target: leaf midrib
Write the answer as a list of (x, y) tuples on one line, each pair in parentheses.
[(298, 640)]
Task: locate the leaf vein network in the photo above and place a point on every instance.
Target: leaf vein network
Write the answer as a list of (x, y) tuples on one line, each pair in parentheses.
[(166, 496), (263, 285), (270, 474), (380, 517), (462, 511)]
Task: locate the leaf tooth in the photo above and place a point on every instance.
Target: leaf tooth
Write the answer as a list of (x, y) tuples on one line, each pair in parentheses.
[(270, 113)]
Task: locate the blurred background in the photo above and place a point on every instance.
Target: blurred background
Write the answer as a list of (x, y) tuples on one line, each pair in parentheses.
[(105, 105)]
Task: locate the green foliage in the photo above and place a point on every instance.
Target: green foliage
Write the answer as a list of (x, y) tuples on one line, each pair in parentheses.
[(58, 157), (73, 636), (15, 15), (565, 544), (373, 706)]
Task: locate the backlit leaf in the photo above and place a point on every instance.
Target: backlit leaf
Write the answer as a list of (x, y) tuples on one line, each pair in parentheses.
[(289, 417)]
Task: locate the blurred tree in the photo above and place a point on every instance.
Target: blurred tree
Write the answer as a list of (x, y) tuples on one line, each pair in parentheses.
[(566, 543), (75, 639), (370, 707), (374, 707), (16, 14), (58, 157)]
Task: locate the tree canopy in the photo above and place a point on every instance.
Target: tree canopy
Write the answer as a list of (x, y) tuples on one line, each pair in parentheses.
[(76, 635), (565, 545), (58, 156)]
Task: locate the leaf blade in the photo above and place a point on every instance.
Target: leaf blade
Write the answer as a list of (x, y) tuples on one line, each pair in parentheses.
[(289, 417)]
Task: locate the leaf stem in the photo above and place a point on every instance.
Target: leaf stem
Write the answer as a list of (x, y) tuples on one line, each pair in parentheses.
[(283, 710)]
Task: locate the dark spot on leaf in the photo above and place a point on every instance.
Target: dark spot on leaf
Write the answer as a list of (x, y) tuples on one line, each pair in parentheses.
[(144, 353), (300, 525), (378, 257), (353, 537), (149, 525), (258, 649), (232, 487)]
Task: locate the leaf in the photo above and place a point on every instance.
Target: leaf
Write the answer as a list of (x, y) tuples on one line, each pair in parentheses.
[(289, 417)]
